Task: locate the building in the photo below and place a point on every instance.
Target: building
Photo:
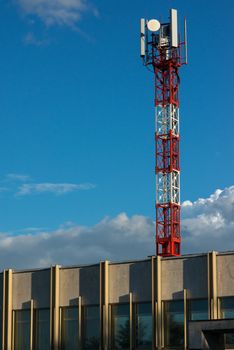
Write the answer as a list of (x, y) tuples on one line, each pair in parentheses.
[(182, 302)]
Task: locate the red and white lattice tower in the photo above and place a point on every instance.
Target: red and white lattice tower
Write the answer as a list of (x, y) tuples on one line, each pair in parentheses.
[(165, 53)]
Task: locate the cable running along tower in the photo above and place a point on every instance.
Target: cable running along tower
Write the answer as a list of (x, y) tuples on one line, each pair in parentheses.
[(164, 53)]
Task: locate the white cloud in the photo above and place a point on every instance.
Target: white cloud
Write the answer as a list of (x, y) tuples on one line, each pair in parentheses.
[(56, 12), (17, 177), (55, 188), (207, 224), (115, 239)]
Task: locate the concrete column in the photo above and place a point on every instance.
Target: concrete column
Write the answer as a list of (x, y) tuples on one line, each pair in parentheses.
[(212, 285), (208, 285), (219, 308), (154, 303), (3, 309), (31, 323), (130, 321), (185, 321), (51, 306), (7, 311), (80, 321), (159, 321), (54, 307), (60, 327), (104, 304), (162, 331)]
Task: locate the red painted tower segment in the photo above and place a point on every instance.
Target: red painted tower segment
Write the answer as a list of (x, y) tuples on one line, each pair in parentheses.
[(167, 140), (162, 50)]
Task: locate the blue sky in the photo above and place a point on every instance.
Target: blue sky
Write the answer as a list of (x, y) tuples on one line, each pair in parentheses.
[(77, 114)]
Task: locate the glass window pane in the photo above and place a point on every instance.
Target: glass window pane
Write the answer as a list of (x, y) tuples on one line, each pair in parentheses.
[(120, 327), (22, 330), (69, 339), (91, 329), (227, 307), (229, 340), (174, 323), (42, 329), (198, 309), (144, 326)]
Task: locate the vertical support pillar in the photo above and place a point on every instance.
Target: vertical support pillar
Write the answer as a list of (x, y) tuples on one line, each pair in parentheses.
[(54, 307), (31, 323), (3, 308), (7, 310), (185, 320), (13, 330), (101, 313), (208, 286), (212, 285), (154, 303), (219, 308), (163, 322), (159, 323), (60, 327), (130, 322), (51, 306), (80, 322), (104, 304)]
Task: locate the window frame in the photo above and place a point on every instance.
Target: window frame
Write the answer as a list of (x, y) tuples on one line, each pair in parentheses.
[(220, 299), (14, 325), (189, 309), (111, 322), (135, 304), (164, 303), (35, 310), (61, 309), (83, 321)]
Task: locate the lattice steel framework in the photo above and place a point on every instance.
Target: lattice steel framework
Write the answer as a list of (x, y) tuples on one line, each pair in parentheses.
[(167, 141), (165, 61)]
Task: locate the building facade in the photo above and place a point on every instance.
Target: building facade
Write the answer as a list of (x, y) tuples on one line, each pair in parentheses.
[(157, 303)]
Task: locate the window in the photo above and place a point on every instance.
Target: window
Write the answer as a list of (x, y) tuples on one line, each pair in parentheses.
[(227, 307), (91, 327), (227, 311), (198, 309), (174, 324), (120, 327), (229, 340), (143, 325), (22, 330), (42, 329), (69, 332)]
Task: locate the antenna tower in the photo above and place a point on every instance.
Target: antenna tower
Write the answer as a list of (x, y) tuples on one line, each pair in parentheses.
[(164, 53)]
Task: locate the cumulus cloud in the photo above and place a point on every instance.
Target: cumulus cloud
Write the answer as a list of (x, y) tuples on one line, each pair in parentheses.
[(114, 239), (207, 224), (56, 12), (55, 188)]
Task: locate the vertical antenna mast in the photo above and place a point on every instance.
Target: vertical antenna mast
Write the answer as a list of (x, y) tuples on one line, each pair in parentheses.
[(165, 54)]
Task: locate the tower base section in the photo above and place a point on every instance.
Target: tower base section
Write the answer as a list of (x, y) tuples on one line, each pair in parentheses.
[(168, 229)]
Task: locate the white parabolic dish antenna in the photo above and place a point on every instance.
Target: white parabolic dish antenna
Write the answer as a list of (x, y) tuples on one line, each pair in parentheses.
[(153, 25)]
